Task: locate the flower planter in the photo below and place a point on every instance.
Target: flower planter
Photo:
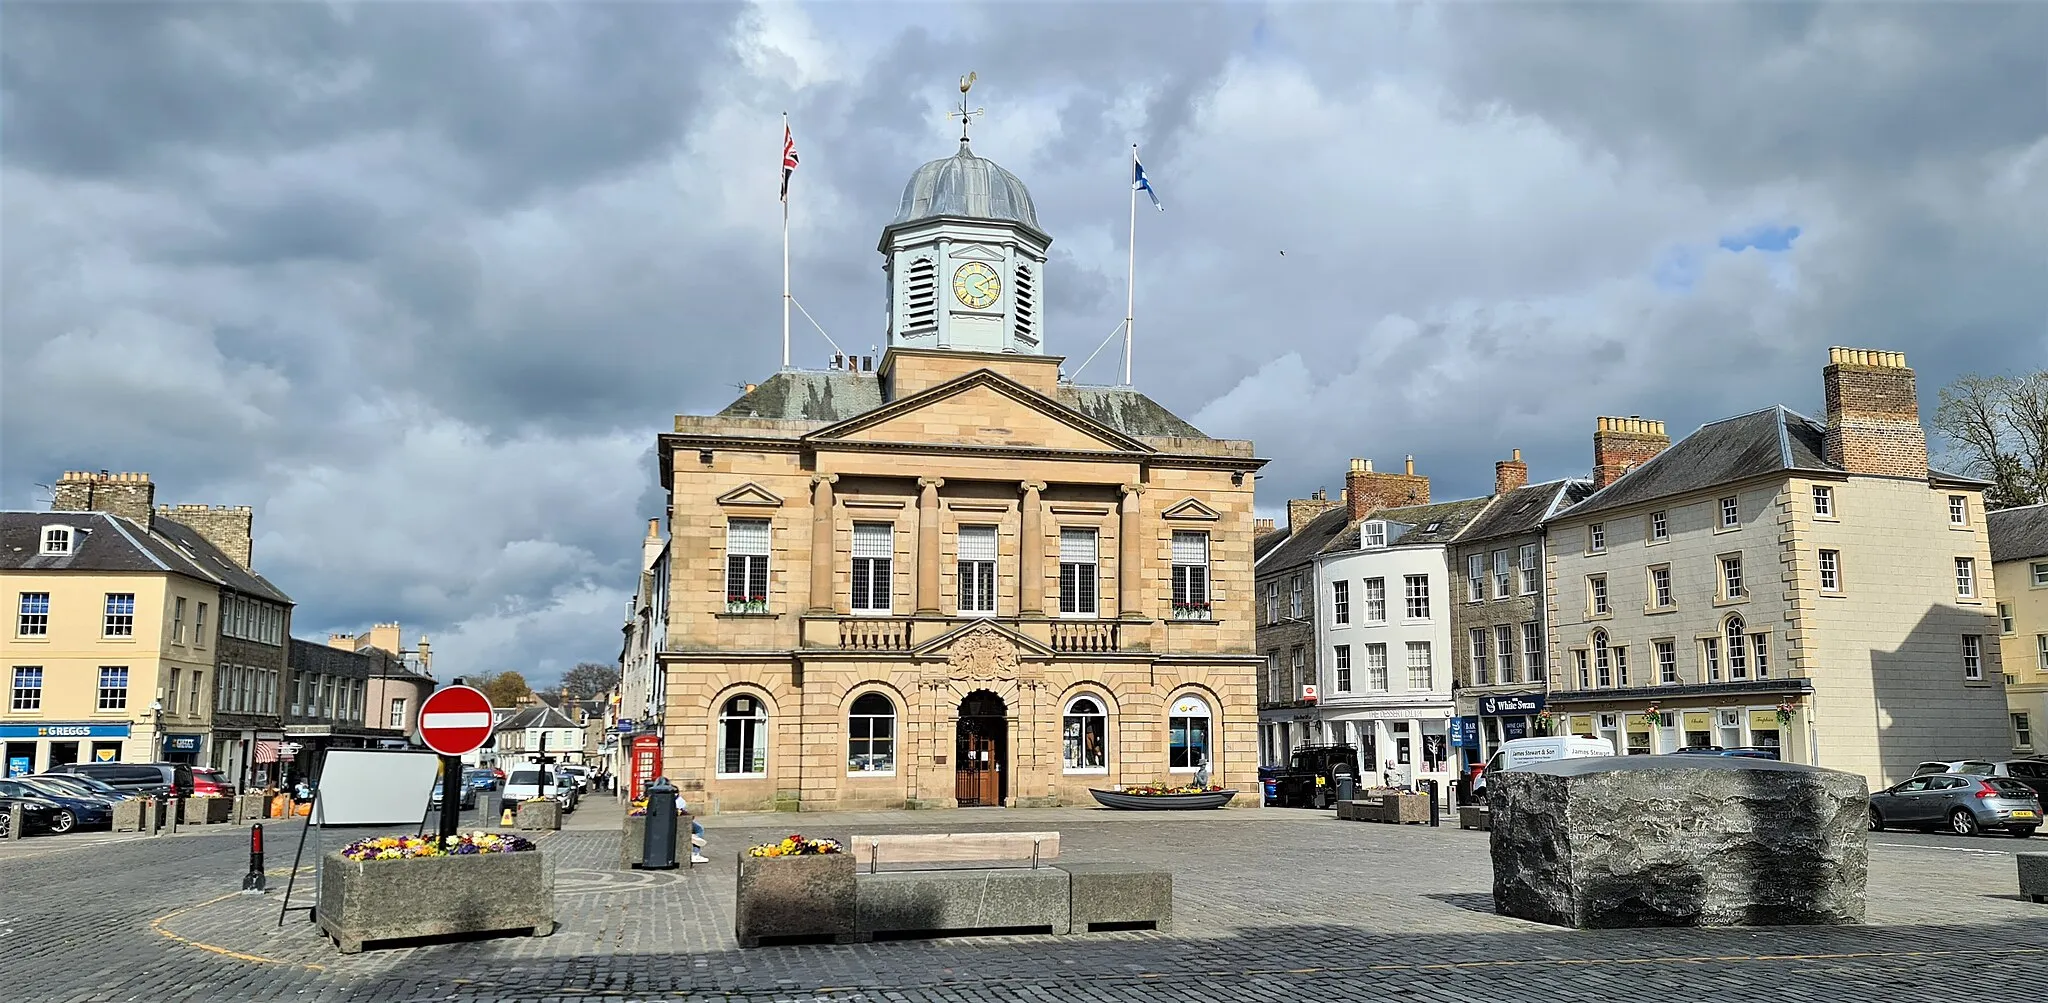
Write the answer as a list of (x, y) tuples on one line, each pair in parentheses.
[(131, 815), (364, 901), (1399, 809), (1161, 802), (250, 807), (207, 811), (786, 897), (633, 842), (538, 815)]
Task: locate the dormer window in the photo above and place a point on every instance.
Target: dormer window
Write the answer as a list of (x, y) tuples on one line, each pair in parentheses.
[(1374, 534), (57, 541)]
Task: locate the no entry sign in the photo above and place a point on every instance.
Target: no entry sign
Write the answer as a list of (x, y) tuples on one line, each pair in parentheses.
[(456, 720)]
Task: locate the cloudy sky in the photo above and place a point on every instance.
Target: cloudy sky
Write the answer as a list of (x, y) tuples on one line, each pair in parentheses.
[(422, 281)]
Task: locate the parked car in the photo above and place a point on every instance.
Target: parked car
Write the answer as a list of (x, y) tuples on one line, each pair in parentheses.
[(1963, 804), (466, 800), (580, 774), (37, 815), (530, 781), (84, 785), (152, 779), (2031, 772), (1522, 753), (71, 812), (1310, 778), (207, 780), (1740, 753)]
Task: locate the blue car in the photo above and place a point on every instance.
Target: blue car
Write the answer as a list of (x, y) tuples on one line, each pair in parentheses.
[(70, 812), (483, 780)]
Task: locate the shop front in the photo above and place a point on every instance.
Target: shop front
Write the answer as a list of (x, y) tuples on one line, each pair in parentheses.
[(1654, 730), (34, 748), (183, 748)]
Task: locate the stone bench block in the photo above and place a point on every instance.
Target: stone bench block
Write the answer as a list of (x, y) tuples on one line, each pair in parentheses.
[(1643, 841), (1121, 895), (1474, 817), (1400, 809), (794, 897), (364, 901), (1005, 898), (2033, 876)]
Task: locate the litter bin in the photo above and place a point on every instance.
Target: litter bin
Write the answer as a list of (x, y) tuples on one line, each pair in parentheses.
[(1270, 790), (1347, 785), (658, 853)]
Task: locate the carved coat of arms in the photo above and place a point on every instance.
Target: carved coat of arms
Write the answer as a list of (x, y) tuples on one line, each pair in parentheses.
[(983, 655)]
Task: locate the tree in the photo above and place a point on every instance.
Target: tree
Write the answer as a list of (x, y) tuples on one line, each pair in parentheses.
[(590, 679), (1998, 427), (505, 689)]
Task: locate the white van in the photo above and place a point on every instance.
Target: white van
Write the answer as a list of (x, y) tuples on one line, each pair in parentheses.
[(528, 780), (1522, 753)]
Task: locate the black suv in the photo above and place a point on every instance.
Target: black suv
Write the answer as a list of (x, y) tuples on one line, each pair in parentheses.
[(142, 778), (1310, 777)]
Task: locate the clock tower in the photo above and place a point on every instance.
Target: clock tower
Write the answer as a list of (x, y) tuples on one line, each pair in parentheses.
[(965, 260)]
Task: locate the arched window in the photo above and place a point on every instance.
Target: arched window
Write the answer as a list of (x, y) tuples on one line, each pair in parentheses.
[(1187, 735), (1738, 653), (871, 735), (1085, 736), (1603, 664), (743, 738)]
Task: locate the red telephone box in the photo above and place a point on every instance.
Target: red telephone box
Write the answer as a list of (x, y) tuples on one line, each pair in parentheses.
[(646, 763)]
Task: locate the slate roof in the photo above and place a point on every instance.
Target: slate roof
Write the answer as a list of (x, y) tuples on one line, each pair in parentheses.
[(1265, 543), (1774, 440), (2018, 534), (99, 542), (1449, 519), (536, 717), (1302, 546), (835, 396), (1522, 510), (218, 563)]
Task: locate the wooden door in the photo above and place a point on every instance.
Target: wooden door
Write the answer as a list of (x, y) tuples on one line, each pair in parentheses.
[(976, 782)]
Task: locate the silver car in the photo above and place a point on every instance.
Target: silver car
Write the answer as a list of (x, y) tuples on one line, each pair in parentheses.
[(1962, 804)]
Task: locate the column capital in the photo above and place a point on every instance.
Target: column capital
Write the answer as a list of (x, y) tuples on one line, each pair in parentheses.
[(1131, 489), (931, 482), (1031, 487), (817, 479)]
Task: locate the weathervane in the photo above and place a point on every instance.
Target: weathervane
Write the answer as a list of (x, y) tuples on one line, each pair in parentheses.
[(964, 115)]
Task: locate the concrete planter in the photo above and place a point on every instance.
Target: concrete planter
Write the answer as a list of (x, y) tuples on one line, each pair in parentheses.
[(363, 901), (131, 815), (537, 815), (1399, 809), (1475, 817), (250, 807), (207, 811), (633, 842), (2033, 876), (783, 897)]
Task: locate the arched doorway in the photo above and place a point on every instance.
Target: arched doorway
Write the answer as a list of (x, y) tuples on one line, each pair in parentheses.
[(981, 748)]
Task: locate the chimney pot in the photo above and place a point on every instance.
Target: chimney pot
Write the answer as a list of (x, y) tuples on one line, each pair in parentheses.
[(1509, 475), (1411, 466), (1623, 444)]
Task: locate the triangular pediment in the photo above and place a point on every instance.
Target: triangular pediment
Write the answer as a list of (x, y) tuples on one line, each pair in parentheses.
[(974, 252), (750, 494), (980, 635), (1190, 508), (982, 408)]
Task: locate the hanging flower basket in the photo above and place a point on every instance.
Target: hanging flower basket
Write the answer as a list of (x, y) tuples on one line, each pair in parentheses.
[(1785, 709)]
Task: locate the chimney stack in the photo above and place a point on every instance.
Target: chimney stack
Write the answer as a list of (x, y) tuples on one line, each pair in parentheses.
[(228, 527), (1873, 424), (1367, 491), (346, 642), (1302, 511), (1260, 527), (1509, 475), (650, 548), (128, 495), (1623, 444)]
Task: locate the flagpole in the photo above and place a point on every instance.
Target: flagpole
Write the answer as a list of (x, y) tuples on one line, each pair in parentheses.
[(785, 259), (1131, 275)]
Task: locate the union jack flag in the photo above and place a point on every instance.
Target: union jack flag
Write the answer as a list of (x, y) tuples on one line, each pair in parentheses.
[(788, 159)]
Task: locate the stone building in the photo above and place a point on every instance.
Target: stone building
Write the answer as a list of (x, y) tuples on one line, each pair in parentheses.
[(954, 577), (2019, 567), (1772, 580), (1498, 611), (347, 693), (1284, 592)]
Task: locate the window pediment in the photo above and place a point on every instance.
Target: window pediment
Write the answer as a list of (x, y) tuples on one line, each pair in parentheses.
[(750, 495), (1191, 508)]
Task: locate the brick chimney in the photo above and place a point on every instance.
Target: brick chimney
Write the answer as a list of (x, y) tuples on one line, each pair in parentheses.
[(1873, 422), (1623, 444), (1302, 511), (1260, 527), (1510, 474), (1369, 491), (228, 527), (129, 495)]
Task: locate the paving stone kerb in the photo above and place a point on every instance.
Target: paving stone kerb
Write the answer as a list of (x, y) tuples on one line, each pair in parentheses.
[(2033, 876), (1679, 841), (1118, 894), (363, 901)]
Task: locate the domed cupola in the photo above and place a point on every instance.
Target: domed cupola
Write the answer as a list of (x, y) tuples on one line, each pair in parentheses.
[(965, 259)]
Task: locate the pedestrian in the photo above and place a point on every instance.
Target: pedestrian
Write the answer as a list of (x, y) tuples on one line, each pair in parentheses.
[(696, 833)]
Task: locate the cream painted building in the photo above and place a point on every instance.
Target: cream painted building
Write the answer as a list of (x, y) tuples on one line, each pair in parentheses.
[(955, 577), (111, 644), (2019, 562), (1776, 581)]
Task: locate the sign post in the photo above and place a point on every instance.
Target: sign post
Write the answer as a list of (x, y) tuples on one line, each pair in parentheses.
[(454, 722)]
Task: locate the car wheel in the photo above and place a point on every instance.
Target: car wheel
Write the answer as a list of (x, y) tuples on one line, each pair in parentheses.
[(63, 821), (2023, 832), (1876, 820), (1962, 823)]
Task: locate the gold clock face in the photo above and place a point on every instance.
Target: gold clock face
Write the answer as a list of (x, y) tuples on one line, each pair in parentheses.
[(977, 285)]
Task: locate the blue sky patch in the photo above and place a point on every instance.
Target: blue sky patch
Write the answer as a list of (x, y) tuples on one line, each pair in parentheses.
[(1761, 238)]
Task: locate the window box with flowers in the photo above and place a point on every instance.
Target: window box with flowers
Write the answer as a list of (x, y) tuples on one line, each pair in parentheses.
[(746, 606), (798, 887), (393, 887), (1197, 610)]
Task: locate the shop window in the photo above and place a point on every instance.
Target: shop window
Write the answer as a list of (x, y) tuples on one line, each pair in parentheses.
[(871, 735), (1085, 736), (742, 737), (1187, 728)]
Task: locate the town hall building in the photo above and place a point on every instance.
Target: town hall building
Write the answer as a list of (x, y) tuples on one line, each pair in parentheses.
[(951, 576)]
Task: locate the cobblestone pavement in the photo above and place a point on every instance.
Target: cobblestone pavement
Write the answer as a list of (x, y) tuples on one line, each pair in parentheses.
[(1270, 905)]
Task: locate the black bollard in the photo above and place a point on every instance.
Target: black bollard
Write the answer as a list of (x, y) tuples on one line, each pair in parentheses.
[(254, 881), (658, 852), (1434, 821)]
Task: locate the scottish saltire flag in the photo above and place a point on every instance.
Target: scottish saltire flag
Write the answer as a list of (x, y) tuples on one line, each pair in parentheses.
[(788, 159), (1139, 183)]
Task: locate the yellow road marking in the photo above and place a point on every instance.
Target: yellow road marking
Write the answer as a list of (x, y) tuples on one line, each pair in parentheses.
[(157, 925)]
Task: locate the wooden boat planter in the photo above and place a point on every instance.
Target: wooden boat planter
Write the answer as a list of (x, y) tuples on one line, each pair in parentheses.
[(1161, 802)]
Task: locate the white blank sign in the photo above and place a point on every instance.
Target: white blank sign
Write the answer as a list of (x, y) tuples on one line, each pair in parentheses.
[(365, 787)]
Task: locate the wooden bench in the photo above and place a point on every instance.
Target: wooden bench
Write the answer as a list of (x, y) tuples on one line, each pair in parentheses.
[(955, 848)]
